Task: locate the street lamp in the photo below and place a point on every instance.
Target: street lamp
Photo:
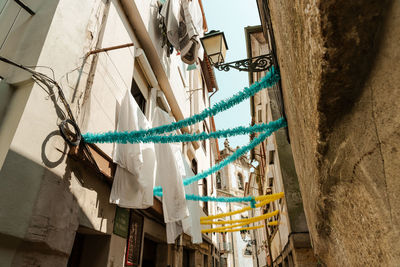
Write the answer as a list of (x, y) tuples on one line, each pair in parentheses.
[(214, 44)]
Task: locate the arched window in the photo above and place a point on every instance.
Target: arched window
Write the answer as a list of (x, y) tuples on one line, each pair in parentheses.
[(219, 182), (240, 181)]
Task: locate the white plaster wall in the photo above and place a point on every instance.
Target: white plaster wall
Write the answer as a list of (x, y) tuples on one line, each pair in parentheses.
[(73, 29), (113, 77), (45, 202), (148, 12), (61, 48)]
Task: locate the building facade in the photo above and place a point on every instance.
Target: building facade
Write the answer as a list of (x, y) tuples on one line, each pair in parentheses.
[(231, 181), (340, 85), (288, 243), (54, 201)]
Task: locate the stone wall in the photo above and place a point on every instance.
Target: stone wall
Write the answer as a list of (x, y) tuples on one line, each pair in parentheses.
[(340, 66)]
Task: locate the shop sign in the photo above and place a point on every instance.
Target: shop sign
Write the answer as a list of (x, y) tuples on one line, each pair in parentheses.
[(121, 222), (134, 241)]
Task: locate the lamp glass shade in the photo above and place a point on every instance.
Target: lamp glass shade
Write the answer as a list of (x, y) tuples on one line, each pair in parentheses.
[(215, 46)]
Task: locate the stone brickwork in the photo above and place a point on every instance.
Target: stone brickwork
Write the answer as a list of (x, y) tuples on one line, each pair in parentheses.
[(340, 66)]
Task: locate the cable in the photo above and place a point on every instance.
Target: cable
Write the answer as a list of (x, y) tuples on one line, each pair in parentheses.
[(65, 132)]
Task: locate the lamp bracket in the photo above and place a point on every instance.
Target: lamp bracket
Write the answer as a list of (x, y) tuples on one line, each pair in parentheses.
[(254, 64)]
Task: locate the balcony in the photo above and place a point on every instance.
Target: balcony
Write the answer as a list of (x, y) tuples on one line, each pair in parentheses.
[(225, 247)]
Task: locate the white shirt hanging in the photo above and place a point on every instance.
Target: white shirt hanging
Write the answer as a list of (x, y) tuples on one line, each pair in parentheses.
[(190, 225), (169, 175), (135, 175)]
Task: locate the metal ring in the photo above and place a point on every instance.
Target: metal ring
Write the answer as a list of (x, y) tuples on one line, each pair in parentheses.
[(67, 134)]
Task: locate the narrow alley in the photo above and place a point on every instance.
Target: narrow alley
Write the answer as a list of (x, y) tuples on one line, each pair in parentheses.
[(199, 133)]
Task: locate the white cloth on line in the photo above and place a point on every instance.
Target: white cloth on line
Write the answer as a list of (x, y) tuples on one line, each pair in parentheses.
[(191, 225), (184, 25), (170, 13), (189, 43), (169, 174), (197, 19), (135, 174)]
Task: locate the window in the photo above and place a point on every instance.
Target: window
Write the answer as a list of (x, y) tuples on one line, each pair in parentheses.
[(204, 90), (194, 166), (205, 204), (204, 142), (270, 182), (139, 97), (219, 182), (140, 88), (240, 181), (258, 113), (271, 155), (205, 260), (248, 251)]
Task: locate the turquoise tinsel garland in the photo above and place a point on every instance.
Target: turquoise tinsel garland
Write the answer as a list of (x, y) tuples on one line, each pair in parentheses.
[(215, 199), (239, 152), (176, 138), (271, 78), (218, 199)]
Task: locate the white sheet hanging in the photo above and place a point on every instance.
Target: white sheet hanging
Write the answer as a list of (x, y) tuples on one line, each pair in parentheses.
[(191, 225), (169, 175), (135, 175)]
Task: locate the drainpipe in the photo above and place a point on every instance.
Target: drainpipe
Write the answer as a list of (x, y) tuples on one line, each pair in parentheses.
[(233, 250), (260, 192), (255, 241)]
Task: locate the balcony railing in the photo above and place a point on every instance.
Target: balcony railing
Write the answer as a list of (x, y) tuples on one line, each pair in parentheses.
[(225, 247)]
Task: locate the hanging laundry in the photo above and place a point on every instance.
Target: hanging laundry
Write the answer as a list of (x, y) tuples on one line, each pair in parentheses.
[(188, 36), (135, 174), (181, 29), (169, 174), (169, 17), (191, 225), (162, 25), (197, 19)]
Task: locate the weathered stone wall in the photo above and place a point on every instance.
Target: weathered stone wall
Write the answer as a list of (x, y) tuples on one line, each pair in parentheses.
[(340, 66)]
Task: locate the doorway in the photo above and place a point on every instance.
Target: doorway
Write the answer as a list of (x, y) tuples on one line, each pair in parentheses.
[(90, 249), (149, 253)]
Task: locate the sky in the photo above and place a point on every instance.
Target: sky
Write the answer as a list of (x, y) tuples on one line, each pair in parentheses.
[(231, 17)]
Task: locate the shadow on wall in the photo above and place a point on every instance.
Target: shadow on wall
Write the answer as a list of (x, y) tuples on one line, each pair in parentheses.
[(38, 212), (87, 181)]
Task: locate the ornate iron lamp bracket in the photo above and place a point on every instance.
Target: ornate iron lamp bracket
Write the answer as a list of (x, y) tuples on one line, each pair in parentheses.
[(254, 64)]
